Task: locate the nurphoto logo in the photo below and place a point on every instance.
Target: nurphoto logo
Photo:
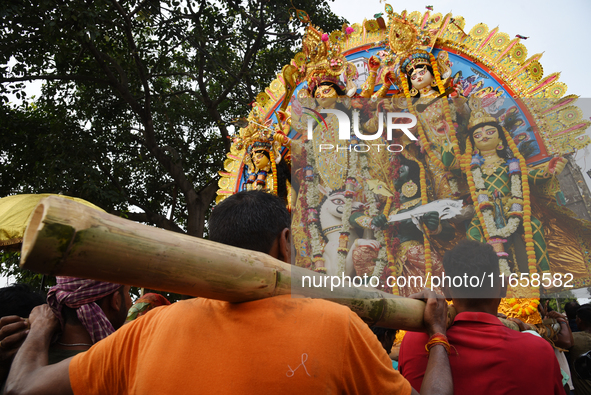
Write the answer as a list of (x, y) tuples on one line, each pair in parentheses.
[(393, 122)]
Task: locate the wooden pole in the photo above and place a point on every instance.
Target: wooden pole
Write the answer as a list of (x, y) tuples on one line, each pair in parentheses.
[(69, 239)]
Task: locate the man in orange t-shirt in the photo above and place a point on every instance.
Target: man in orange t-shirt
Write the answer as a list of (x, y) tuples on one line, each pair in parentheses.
[(285, 344)]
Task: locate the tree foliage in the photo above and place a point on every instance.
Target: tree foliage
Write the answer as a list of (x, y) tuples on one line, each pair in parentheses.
[(138, 97)]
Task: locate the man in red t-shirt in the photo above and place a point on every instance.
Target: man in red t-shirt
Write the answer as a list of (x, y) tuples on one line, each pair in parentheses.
[(282, 344), (486, 357)]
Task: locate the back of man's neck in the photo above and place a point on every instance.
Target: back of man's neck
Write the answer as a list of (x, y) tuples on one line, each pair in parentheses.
[(74, 337), (489, 308)]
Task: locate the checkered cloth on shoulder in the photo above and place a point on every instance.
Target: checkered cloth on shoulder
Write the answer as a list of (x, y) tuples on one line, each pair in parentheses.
[(81, 294)]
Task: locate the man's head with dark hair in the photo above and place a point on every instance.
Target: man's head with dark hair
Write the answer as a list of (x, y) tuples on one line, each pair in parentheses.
[(473, 259), (253, 220), (386, 336), (19, 299), (570, 309), (584, 317)]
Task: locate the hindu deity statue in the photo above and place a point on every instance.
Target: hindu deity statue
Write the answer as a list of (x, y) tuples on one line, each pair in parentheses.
[(432, 98), (499, 181), (265, 167), (352, 214)]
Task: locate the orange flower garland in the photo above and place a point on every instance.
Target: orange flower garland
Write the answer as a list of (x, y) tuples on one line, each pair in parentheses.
[(529, 238), (426, 243), (446, 110), (274, 170), (523, 307)]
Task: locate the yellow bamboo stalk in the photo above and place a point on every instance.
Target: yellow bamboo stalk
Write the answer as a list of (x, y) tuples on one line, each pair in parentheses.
[(69, 239)]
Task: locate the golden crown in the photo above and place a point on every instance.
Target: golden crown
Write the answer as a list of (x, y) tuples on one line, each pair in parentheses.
[(478, 116), (413, 59)]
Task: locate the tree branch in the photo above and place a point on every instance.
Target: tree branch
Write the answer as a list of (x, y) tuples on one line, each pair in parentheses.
[(148, 215), (52, 77)]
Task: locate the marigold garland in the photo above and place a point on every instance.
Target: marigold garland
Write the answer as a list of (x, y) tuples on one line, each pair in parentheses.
[(529, 238), (274, 169), (523, 308), (426, 243), (446, 110)]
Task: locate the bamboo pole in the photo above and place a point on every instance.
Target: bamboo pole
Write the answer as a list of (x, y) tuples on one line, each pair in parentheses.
[(69, 239)]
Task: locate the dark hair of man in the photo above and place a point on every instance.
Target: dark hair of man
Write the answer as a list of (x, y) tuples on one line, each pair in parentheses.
[(584, 314), (250, 220), (19, 299), (386, 336), (472, 258), (570, 309)]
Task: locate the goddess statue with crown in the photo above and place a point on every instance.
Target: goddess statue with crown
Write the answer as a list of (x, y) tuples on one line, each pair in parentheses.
[(490, 130)]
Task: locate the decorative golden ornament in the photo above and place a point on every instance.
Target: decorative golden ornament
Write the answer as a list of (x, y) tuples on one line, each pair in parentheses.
[(490, 166), (435, 20), (409, 189), (479, 31), (402, 35), (335, 36), (357, 30), (478, 115), (415, 17), (500, 41), (299, 59), (458, 23), (570, 114), (229, 164), (372, 25), (262, 99), (556, 90), (519, 52), (536, 71), (224, 183), (276, 85)]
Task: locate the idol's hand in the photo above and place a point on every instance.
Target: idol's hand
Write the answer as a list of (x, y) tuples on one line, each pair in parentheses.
[(431, 220)]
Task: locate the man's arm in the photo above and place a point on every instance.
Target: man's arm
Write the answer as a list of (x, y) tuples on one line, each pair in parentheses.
[(564, 338), (438, 379), (12, 334), (30, 373)]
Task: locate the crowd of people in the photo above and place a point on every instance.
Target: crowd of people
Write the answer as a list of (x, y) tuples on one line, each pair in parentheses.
[(76, 339)]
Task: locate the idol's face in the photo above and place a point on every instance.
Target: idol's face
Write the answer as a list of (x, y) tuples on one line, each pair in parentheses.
[(486, 138), (421, 77), (260, 160), (326, 96)]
